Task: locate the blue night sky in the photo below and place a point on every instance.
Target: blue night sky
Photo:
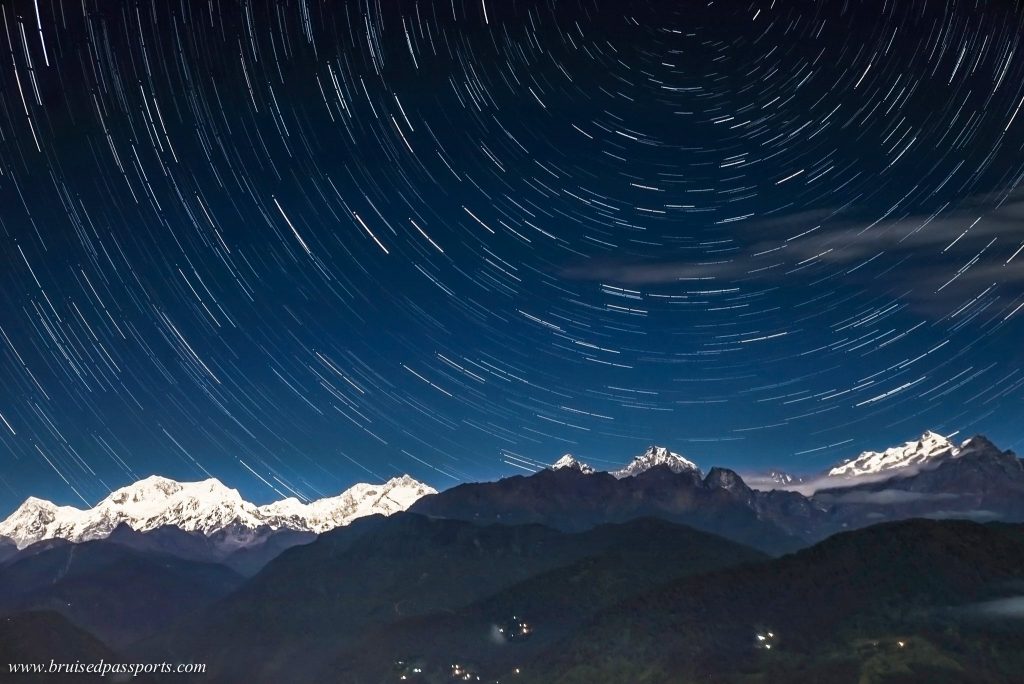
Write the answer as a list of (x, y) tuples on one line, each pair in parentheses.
[(298, 245)]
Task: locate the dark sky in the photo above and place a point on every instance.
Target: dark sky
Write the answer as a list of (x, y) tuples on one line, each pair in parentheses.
[(295, 245)]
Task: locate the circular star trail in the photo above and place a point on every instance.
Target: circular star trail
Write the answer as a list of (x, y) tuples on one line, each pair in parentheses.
[(297, 244)]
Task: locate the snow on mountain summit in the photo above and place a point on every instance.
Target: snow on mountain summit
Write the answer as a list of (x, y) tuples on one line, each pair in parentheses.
[(930, 448), (207, 507), (571, 462), (656, 456), (360, 500), (37, 519)]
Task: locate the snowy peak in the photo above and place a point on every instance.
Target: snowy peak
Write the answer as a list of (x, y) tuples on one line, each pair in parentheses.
[(193, 506), (360, 500), (208, 508), (569, 461), (155, 489), (37, 519), (656, 456), (929, 449)]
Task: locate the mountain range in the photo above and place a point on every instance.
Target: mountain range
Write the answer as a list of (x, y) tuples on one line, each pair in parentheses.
[(895, 602), (929, 449), (317, 605), (207, 508), (930, 476), (888, 567)]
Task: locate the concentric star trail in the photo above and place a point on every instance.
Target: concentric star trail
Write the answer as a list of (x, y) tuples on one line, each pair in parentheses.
[(299, 244)]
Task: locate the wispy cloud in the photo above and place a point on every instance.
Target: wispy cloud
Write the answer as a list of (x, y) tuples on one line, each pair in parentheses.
[(976, 514), (1010, 607), (611, 270), (937, 260), (888, 497)]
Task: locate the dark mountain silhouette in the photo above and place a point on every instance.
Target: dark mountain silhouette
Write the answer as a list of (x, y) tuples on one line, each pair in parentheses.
[(310, 604), (829, 612), (249, 560), (168, 540), (552, 605), (980, 483), (33, 549), (570, 500), (7, 548), (193, 546), (115, 592)]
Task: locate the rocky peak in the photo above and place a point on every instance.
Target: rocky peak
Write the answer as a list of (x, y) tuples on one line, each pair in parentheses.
[(978, 444), (729, 480)]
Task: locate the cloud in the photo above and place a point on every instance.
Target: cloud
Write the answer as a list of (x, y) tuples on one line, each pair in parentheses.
[(610, 270), (1010, 607), (764, 483), (888, 497), (828, 488), (941, 260), (978, 515)]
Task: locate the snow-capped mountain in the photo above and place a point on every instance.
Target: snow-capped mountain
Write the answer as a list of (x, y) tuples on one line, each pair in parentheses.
[(571, 462), (930, 449), (207, 507), (358, 501), (656, 456)]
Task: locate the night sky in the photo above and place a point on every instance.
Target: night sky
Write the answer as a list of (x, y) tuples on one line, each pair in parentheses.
[(295, 245)]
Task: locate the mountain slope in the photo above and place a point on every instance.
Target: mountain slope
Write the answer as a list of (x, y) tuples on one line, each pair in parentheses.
[(195, 546), (115, 592), (42, 636), (7, 548), (294, 616), (640, 554), (885, 583)]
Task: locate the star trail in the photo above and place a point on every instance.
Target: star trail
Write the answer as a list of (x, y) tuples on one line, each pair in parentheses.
[(298, 244)]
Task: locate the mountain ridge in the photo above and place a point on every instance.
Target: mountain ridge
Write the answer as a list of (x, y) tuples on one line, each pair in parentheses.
[(912, 479), (820, 615), (981, 482), (928, 449), (207, 507)]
